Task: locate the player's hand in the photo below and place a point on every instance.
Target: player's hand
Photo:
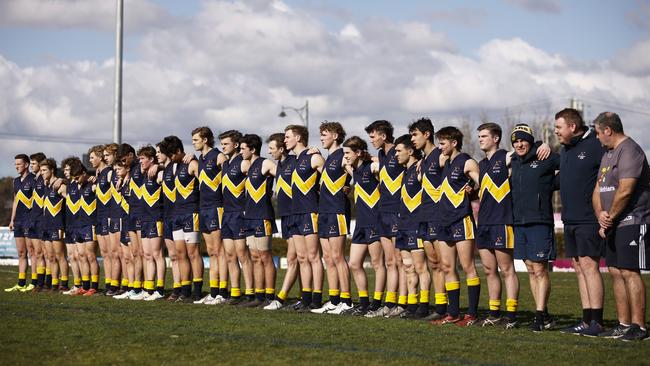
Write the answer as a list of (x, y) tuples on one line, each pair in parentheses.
[(153, 171), (418, 166), (188, 157), (602, 233), (346, 190), (92, 179), (469, 189), (57, 184), (543, 151), (11, 226), (313, 150), (604, 219)]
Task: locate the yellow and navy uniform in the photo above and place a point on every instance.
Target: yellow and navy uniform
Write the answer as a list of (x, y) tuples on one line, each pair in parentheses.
[(495, 219), (333, 203), (36, 212), (116, 216), (186, 215), (169, 199), (457, 222), (125, 210), (431, 192), (304, 196), (53, 214), (104, 194), (233, 182), (283, 193), (23, 195), (259, 218), (84, 202), (152, 215), (210, 195), (366, 200), (409, 208), (72, 207), (391, 174), (136, 180)]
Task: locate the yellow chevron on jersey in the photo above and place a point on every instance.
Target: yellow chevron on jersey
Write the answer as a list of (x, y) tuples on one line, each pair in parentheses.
[(152, 198), (72, 205), (37, 199), (256, 193), (282, 185), (235, 190), (117, 195), (369, 199), (411, 202), (20, 197), (432, 191), (333, 186), (393, 185), (52, 209), (497, 192), (456, 198), (213, 183), (88, 208), (125, 206), (135, 189), (170, 193), (185, 191), (304, 186), (104, 197)]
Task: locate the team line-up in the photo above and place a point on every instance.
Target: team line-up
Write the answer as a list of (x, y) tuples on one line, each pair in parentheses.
[(413, 217)]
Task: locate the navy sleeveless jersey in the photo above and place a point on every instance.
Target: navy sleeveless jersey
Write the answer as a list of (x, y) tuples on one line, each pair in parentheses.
[(72, 204), (431, 182), (53, 212), (259, 190), (24, 195), (187, 190), (283, 184), (332, 180), (494, 191), (366, 195), (304, 190), (210, 195), (88, 206), (125, 206), (169, 190), (411, 200), (115, 210), (104, 193), (454, 203), (38, 195), (233, 182), (135, 195), (151, 200), (390, 181)]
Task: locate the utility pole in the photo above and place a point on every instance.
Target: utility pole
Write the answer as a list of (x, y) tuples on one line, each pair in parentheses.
[(117, 110)]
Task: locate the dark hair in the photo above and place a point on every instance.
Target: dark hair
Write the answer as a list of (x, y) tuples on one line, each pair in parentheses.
[(170, 145), (334, 127), (70, 161), (22, 157), (406, 141), (204, 133), (49, 163), (572, 116), (38, 157), (301, 131), (611, 120), (357, 144), (382, 126), (451, 133), (423, 125), (279, 140), (493, 128), (254, 142), (147, 151), (233, 135), (77, 170), (123, 150)]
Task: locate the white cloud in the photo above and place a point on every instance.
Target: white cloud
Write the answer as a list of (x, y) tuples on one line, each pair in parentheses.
[(538, 6), (634, 60)]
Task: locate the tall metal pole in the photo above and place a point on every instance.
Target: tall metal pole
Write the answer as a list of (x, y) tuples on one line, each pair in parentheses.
[(307, 114), (117, 110)]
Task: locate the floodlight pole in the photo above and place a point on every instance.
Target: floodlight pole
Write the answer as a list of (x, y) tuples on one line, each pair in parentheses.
[(117, 110)]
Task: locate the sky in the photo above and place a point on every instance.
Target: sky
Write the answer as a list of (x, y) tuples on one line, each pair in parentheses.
[(233, 64)]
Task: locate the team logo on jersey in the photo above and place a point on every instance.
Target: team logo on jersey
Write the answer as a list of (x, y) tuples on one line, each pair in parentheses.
[(534, 164), (457, 233), (499, 240), (582, 155), (496, 168), (603, 174), (455, 173)]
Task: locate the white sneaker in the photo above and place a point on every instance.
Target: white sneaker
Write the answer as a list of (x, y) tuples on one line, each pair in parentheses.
[(154, 296), (340, 308), (139, 296), (220, 300), (274, 305), (125, 295), (210, 300), (71, 291), (379, 313), (204, 299), (325, 308), (395, 312)]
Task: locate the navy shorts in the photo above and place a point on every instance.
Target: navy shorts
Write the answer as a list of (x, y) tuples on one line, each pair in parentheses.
[(81, 234), (102, 226), (52, 235), (285, 227), (495, 237), (189, 223), (460, 230), (408, 240), (233, 226), (152, 229), (35, 230), (304, 224), (21, 229), (333, 225), (134, 223), (627, 247), (210, 219), (534, 242), (365, 235), (115, 224), (428, 231), (124, 236), (260, 228), (167, 229), (68, 234), (583, 241), (388, 224)]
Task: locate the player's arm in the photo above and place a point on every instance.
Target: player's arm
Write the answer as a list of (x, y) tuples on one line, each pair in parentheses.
[(159, 177), (14, 207), (543, 151), (269, 168), (471, 169), (622, 197), (193, 168), (188, 158), (317, 162), (603, 216), (63, 188), (221, 158), (245, 166)]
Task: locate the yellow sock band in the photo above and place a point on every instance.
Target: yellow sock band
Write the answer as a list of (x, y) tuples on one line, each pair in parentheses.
[(22, 276), (282, 295), (259, 290), (391, 296), (473, 281), (148, 285), (378, 295), (318, 291), (450, 286), (34, 276), (363, 293), (306, 289), (177, 285), (235, 292), (334, 292), (64, 278), (214, 284), (223, 284), (494, 304), (94, 278), (345, 295), (441, 298), (160, 283), (85, 278), (40, 270), (47, 271), (77, 281), (270, 291), (125, 282), (401, 300), (186, 283), (511, 305), (249, 291), (55, 281), (424, 296), (412, 299), (197, 279), (137, 284), (115, 282)]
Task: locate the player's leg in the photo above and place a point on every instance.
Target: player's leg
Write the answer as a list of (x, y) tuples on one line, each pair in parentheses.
[(491, 269), (507, 268)]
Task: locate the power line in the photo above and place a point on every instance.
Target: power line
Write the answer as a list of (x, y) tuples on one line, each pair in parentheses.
[(57, 139)]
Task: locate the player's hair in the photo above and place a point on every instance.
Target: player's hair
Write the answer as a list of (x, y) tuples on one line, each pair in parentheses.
[(406, 141), (357, 144), (611, 120), (279, 140), (451, 133), (77, 170), (123, 150), (49, 163), (334, 127), (571, 116), (22, 157), (111, 149), (382, 126), (493, 128), (233, 135), (98, 150), (38, 157), (70, 161), (301, 131), (205, 133), (147, 151), (254, 142), (170, 145), (423, 125)]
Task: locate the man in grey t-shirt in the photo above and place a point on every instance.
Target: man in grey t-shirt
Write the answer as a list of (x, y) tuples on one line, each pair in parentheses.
[(621, 202)]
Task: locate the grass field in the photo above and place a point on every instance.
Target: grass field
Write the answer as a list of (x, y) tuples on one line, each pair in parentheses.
[(54, 329)]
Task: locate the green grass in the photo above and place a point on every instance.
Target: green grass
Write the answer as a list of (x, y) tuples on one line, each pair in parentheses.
[(55, 329)]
